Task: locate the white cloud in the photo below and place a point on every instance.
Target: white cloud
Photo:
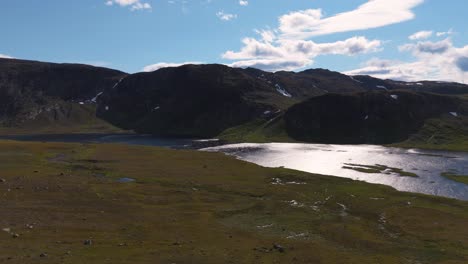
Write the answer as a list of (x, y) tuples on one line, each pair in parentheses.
[(439, 61), (425, 34), (3, 56), (289, 47), (225, 16), (270, 53), (445, 33), (157, 66), (132, 4), (243, 2), (140, 6), (421, 48), (373, 14)]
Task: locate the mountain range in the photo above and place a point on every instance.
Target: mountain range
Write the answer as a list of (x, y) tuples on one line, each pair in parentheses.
[(212, 100)]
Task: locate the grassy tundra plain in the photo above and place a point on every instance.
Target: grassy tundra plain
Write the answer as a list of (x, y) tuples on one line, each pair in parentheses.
[(67, 203)]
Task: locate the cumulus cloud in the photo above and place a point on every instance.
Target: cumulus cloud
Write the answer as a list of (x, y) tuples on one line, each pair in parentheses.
[(132, 4), (439, 61), (427, 47), (270, 53), (289, 46), (243, 2), (425, 34), (225, 16), (157, 66), (3, 56), (373, 14)]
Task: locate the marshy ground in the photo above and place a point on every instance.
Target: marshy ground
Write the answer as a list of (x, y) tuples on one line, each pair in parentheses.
[(378, 168), (454, 175), (110, 203)]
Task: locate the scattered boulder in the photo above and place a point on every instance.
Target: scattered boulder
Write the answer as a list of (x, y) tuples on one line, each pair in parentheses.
[(43, 255), (279, 248), (276, 247), (88, 242)]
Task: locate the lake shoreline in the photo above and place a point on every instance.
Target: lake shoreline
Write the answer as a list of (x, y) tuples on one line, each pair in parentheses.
[(390, 174)]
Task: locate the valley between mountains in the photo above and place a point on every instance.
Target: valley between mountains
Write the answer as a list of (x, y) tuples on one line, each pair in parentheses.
[(83, 202), (237, 105)]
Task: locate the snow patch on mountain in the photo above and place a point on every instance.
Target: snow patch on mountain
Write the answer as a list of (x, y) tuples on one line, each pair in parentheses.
[(382, 87), (282, 91)]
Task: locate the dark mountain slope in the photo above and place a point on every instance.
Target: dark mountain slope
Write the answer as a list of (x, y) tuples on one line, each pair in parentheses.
[(64, 81), (370, 117), (38, 93), (309, 83), (192, 100), (204, 100)]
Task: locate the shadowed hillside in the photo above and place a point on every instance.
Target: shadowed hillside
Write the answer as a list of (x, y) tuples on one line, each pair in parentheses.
[(37, 95), (371, 117), (315, 105)]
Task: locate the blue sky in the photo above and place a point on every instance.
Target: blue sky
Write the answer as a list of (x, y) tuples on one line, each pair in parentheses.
[(351, 36)]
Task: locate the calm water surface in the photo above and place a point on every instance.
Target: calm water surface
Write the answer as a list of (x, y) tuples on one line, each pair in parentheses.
[(130, 139), (316, 158), (330, 159)]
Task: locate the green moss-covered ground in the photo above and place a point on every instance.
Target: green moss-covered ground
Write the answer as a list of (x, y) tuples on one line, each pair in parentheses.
[(454, 176), (377, 168), (70, 118), (197, 207), (258, 131), (447, 133)]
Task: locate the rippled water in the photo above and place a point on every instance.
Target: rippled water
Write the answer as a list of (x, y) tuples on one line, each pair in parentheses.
[(317, 158), (330, 159)]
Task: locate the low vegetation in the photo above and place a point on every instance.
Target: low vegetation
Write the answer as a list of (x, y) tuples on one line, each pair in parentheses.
[(79, 203), (447, 133), (258, 131), (377, 168), (67, 118), (454, 176)]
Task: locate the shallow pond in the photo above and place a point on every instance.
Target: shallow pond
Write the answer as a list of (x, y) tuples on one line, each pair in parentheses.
[(332, 160)]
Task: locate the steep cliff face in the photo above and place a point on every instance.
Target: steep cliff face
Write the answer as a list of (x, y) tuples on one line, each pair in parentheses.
[(370, 117)]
